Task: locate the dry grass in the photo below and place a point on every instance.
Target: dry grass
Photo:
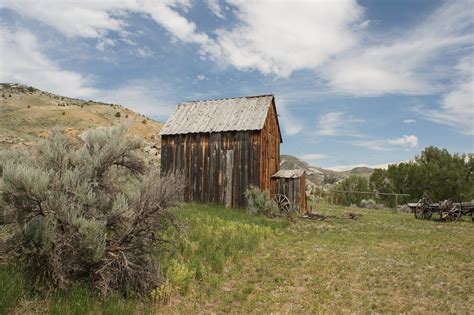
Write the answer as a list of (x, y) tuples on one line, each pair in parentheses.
[(28, 115)]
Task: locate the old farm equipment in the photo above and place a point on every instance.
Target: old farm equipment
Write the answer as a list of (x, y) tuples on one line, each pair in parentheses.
[(447, 210), (283, 203)]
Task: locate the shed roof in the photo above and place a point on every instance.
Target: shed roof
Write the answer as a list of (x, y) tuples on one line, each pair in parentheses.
[(288, 174), (229, 114)]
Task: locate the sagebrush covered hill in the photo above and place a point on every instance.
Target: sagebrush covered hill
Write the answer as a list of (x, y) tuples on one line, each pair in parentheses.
[(29, 114)]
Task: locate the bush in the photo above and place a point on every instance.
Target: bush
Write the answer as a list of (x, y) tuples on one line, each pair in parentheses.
[(63, 113), (117, 114), (369, 204), (89, 213), (259, 203), (180, 275)]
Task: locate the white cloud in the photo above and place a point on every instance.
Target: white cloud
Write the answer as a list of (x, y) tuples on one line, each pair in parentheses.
[(409, 121), (104, 43), (457, 109), (201, 77), (311, 157), (337, 124), (144, 52), (279, 37), (215, 7), (406, 142), (291, 124), (96, 19), (148, 97), (404, 65), (23, 62)]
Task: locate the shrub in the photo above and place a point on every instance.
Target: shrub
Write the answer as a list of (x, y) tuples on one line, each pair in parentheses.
[(117, 114), (28, 106), (180, 276), (258, 202), (144, 121), (89, 213), (162, 294), (369, 204), (63, 113)]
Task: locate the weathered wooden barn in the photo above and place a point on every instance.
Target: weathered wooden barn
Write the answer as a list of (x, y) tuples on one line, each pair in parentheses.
[(222, 147), (292, 184)]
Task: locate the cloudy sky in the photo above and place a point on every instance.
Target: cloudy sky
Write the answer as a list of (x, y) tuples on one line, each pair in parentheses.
[(356, 82)]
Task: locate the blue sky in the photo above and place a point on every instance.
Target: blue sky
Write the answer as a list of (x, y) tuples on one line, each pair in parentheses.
[(356, 82)]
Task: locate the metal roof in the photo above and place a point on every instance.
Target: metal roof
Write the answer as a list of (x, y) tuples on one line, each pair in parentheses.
[(288, 174), (230, 114)]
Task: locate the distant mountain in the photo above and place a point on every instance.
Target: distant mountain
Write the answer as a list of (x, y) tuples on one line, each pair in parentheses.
[(318, 175), (361, 170)]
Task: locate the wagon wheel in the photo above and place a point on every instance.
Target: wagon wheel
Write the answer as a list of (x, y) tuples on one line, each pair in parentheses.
[(454, 214), (283, 202), (422, 211), (444, 210)]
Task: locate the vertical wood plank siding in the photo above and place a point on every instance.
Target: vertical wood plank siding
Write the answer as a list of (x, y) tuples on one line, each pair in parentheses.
[(219, 167), (269, 151), (295, 190)]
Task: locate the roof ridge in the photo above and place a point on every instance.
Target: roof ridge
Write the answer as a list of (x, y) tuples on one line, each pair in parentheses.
[(225, 98)]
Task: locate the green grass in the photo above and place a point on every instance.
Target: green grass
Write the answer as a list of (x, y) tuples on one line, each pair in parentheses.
[(12, 287), (384, 262), (226, 260), (80, 300), (211, 237)]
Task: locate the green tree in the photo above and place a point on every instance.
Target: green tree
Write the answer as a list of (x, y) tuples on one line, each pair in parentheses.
[(352, 183), (435, 173)]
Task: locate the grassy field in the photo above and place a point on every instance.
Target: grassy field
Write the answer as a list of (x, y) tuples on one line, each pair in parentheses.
[(228, 261)]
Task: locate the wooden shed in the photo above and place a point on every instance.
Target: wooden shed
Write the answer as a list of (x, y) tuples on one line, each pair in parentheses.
[(222, 147), (292, 183)]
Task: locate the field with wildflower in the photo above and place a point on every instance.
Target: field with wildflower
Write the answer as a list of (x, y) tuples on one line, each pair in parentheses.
[(225, 260)]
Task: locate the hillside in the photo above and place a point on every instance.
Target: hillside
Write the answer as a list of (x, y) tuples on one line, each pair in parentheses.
[(319, 175), (28, 114)]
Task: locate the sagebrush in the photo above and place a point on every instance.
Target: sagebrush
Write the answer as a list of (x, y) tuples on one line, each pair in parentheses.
[(258, 202), (88, 212)]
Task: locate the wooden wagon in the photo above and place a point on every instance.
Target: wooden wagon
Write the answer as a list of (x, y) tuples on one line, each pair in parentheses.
[(447, 210)]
